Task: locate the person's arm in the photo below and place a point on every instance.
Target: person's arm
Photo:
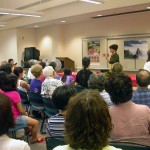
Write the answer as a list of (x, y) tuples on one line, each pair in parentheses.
[(20, 109), (25, 85)]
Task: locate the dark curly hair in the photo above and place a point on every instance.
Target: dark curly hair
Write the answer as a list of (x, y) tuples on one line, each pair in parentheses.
[(96, 82), (114, 46), (88, 122), (18, 70), (119, 88), (6, 116)]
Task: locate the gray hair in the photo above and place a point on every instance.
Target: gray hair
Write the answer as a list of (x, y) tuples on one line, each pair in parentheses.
[(96, 82)]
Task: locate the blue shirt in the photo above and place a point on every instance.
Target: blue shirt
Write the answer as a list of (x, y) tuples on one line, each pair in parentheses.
[(35, 86), (142, 96)]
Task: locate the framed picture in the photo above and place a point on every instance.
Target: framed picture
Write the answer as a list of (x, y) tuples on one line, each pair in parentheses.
[(135, 49)]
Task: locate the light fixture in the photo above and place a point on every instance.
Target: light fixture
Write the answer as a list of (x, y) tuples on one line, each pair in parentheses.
[(36, 26), (98, 15), (2, 24), (5, 11), (91, 1), (63, 21), (148, 7)]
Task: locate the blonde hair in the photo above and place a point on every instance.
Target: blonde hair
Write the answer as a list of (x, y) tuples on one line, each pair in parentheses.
[(36, 70)]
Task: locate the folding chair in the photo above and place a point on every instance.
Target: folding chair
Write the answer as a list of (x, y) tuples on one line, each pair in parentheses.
[(24, 100), (53, 142), (18, 127), (129, 145), (36, 102)]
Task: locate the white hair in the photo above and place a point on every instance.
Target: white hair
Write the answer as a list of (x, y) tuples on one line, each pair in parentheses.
[(48, 71)]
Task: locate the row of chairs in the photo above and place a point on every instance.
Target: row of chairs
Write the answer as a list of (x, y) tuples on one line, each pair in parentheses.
[(38, 103), (53, 142)]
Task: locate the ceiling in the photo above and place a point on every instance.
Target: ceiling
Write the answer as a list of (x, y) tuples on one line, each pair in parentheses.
[(69, 10)]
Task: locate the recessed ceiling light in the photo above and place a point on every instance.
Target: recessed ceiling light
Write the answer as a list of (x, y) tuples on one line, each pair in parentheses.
[(148, 7), (91, 1), (36, 26), (63, 21), (98, 15), (2, 25)]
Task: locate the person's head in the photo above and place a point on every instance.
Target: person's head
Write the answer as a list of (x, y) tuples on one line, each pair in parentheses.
[(32, 62), (43, 64), (85, 62), (117, 68), (143, 78), (18, 71), (4, 62), (113, 48), (11, 61), (61, 96), (2, 79), (88, 122), (96, 82), (67, 71), (36, 70), (54, 65), (148, 55), (6, 115), (48, 71), (8, 68), (11, 83), (119, 88)]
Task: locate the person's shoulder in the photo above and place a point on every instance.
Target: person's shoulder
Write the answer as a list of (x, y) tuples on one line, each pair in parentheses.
[(111, 148), (16, 144), (64, 147)]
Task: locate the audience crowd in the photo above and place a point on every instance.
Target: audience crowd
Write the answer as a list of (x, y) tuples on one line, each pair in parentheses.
[(94, 109)]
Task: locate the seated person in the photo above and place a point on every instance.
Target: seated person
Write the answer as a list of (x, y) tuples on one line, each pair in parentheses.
[(7, 122), (97, 82), (2, 80), (67, 79), (142, 94), (19, 114), (60, 97), (8, 68), (131, 121), (36, 83), (88, 123), (49, 84), (84, 74), (22, 85), (54, 65)]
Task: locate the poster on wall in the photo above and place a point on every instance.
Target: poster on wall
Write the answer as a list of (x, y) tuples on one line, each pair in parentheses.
[(135, 49), (94, 51)]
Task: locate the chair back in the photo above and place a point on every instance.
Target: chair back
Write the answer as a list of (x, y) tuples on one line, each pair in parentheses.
[(24, 97), (49, 107), (129, 146), (53, 142), (36, 101)]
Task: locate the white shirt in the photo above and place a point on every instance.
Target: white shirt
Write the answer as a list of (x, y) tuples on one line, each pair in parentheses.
[(67, 147), (49, 85), (7, 143), (147, 66), (30, 75), (20, 87)]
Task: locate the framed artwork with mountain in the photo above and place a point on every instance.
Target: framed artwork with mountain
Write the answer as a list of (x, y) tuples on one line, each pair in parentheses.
[(135, 49)]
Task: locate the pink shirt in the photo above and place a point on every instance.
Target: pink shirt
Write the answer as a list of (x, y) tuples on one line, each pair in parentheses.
[(15, 98), (131, 123), (1, 91)]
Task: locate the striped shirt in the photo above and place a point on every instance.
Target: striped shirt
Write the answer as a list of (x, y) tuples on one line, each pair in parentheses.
[(55, 126)]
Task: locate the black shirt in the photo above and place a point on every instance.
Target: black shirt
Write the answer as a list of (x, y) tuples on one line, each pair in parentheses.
[(83, 77)]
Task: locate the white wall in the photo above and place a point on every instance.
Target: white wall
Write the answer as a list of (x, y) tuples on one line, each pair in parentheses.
[(25, 38), (8, 45)]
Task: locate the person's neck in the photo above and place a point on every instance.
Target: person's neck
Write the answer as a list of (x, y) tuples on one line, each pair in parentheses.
[(62, 112), (39, 78)]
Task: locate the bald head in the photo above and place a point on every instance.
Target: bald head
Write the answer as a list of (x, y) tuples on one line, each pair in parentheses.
[(143, 78)]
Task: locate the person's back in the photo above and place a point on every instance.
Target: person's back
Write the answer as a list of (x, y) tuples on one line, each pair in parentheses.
[(131, 122), (60, 98), (6, 122), (142, 94), (84, 74)]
